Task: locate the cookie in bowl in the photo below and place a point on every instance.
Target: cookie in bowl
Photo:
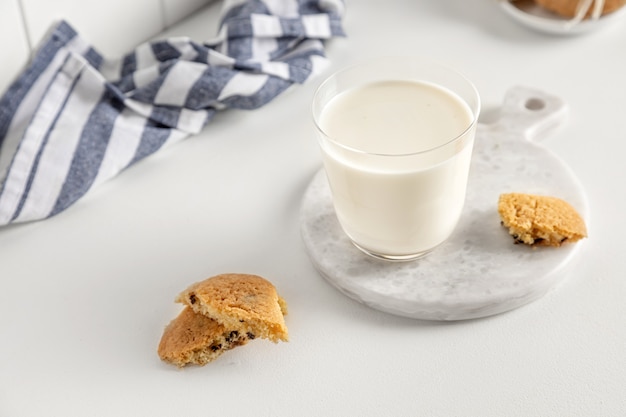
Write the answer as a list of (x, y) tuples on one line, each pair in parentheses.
[(571, 8)]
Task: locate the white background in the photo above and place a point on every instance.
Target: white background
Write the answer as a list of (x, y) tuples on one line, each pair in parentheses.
[(113, 26), (84, 296)]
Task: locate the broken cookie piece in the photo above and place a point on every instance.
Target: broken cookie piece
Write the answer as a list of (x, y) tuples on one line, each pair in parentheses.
[(194, 338), (540, 220), (243, 302), (221, 313)]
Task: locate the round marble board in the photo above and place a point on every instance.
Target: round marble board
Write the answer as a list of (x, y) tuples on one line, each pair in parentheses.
[(479, 271)]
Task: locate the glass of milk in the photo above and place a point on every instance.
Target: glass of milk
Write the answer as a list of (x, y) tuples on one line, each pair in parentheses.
[(396, 137)]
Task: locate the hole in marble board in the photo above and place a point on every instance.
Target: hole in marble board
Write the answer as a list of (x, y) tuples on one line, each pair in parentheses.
[(535, 104)]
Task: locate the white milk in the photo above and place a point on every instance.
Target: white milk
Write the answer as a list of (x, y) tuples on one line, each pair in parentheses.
[(408, 201)]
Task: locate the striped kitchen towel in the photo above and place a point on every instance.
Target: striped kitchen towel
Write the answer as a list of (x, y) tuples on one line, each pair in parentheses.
[(74, 119)]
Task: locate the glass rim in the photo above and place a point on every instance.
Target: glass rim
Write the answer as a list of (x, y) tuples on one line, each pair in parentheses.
[(475, 112)]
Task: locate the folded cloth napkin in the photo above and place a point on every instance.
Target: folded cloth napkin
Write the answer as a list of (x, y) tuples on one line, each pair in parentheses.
[(74, 119)]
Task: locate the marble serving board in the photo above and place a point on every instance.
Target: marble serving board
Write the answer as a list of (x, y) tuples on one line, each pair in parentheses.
[(479, 271)]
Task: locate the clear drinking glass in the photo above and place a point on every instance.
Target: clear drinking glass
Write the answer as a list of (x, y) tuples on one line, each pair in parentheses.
[(396, 137)]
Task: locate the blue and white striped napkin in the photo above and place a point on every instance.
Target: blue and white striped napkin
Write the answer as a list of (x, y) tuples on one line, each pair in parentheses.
[(74, 119)]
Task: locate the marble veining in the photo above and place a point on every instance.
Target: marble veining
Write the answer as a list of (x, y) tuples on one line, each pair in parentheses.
[(479, 271)]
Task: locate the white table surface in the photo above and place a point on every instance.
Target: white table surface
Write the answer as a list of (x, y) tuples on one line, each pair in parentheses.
[(84, 296)]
